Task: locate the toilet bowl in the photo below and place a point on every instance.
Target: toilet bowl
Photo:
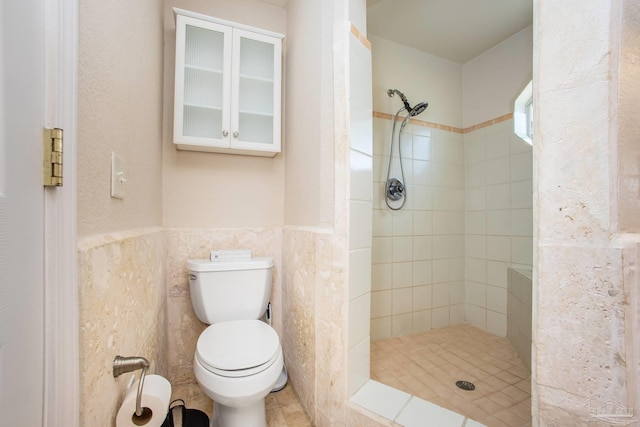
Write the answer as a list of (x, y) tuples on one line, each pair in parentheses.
[(238, 358), (237, 363)]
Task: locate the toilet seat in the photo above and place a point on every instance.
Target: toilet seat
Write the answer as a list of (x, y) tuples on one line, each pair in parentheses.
[(238, 348)]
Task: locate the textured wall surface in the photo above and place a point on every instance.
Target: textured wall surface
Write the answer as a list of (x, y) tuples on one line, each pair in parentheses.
[(299, 302), (315, 332), (585, 301), (122, 300), (332, 331), (119, 110)]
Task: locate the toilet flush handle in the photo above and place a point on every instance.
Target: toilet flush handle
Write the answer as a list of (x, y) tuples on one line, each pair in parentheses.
[(269, 313)]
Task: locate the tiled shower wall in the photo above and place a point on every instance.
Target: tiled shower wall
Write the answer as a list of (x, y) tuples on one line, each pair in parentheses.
[(360, 208), (443, 258), (519, 312), (418, 252), (498, 220)]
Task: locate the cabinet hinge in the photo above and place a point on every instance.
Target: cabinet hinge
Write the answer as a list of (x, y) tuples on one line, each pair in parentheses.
[(52, 164)]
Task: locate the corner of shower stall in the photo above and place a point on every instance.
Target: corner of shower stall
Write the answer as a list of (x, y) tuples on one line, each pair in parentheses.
[(418, 274), (519, 313)]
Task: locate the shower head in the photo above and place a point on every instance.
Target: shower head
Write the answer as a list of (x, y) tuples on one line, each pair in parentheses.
[(418, 108), (392, 92)]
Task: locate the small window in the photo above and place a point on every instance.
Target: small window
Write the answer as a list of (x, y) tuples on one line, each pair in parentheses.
[(523, 115)]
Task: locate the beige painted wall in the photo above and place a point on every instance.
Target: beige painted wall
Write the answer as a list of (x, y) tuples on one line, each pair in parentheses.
[(120, 110), (309, 110), (421, 77), (210, 189), (492, 80)]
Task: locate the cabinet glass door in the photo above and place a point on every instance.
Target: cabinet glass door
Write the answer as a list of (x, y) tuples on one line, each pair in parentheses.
[(228, 84), (258, 98), (205, 69)]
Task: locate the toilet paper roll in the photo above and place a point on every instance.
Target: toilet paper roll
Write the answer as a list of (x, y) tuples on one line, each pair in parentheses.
[(156, 393)]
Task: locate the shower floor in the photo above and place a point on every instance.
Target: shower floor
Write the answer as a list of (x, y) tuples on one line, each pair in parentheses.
[(428, 365)]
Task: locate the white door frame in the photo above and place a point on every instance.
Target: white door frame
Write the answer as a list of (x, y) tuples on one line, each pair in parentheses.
[(61, 329)]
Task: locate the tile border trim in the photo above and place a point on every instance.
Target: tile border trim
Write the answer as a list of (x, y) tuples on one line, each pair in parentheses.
[(361, 37), (423, 123)]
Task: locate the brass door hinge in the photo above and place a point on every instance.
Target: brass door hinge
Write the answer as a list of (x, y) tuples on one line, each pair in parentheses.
[(52, 164)]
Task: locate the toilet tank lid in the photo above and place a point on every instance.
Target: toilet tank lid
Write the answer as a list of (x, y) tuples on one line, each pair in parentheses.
[(254, 263)]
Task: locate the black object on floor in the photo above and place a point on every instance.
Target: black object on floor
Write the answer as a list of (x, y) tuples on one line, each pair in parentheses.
[(465, 385), (180, 416)]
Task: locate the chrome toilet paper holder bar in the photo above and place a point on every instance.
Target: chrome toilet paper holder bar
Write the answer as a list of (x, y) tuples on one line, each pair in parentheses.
[(122, 365)]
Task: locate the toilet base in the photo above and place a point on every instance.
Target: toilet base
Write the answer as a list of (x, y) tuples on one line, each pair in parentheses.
[(253, 415)]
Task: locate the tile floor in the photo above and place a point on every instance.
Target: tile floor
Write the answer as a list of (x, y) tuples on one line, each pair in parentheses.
[(428, 364), (283, 407)]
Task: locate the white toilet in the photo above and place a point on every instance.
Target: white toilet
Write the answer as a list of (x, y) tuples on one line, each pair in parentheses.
[(238, 358)]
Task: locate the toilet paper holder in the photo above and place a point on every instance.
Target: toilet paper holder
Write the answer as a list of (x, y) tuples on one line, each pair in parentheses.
[(122, 365)]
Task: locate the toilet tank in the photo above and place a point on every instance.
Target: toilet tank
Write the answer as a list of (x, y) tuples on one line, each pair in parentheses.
[(230, 290)]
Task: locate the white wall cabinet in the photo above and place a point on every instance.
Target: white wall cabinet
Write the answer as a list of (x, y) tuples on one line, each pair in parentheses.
[(227, 87)]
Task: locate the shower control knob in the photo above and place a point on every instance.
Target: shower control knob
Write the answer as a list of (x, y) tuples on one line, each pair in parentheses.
[(225, 133), (395, 189), (236, 134)]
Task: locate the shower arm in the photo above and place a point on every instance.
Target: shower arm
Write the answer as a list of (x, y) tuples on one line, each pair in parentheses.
[(391, 92), (122, 365)]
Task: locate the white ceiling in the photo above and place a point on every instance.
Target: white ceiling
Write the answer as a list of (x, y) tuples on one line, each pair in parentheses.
[(458, 30), (281, 3)]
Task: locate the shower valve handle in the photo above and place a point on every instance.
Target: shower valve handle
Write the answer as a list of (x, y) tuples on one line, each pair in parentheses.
[(395, 189)]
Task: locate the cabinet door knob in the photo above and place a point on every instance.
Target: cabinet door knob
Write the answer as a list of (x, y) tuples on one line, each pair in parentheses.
[(225, 133), (236, 134)]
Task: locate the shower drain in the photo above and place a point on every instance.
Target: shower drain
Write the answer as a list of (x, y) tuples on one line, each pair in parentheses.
[(465, 385)]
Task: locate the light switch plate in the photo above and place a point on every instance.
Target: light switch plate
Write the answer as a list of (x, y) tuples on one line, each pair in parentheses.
[(117, 177)]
